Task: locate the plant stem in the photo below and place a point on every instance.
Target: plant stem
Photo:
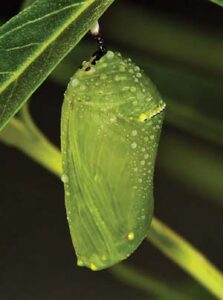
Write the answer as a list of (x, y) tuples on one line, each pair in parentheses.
[(146, 283), (25, 136), (219, 2), (186, 256), (33, 143)]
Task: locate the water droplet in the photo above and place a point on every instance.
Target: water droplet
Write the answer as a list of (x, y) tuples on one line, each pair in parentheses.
[(148, 99), (110, 54), (133, 89), (64, 178), (133, 145), (121, 68), (142, 162), (134, 132), (103, 76), (146, 138), (113, 119), (146, 156), (125, 88), (139, 180), (97, 178), (74, 82), (138, 75)]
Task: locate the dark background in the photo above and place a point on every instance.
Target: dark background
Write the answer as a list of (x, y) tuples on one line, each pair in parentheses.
[(37, 260)]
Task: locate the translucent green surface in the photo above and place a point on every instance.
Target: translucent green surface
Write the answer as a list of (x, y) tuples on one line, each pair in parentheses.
[(111, 121)]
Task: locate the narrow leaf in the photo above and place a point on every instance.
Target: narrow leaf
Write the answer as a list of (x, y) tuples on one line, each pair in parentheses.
[(27, 3), (35, 41), (219, 2), (187, 257)]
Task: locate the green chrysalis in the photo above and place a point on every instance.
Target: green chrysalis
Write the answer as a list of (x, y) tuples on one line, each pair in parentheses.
[(111, 122)]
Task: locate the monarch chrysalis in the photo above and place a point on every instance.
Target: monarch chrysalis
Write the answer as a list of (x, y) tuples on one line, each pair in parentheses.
[(111, 122)]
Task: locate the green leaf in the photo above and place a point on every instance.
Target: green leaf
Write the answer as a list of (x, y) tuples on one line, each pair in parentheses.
[(35, 41), (27, 3), (219, 2)]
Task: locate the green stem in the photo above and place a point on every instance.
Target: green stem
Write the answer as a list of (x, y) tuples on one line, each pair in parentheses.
[(186, 256), (146, 283), (26, 137), (33, 143), (219, 2)]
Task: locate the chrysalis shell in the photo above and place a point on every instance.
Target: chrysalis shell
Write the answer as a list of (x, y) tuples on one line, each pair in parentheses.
[(111, 122)]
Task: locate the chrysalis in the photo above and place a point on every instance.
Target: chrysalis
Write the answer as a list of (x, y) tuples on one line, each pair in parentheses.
[(111, 122)]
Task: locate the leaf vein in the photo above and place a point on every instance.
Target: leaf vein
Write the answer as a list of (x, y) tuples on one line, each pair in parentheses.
[(19, 47), (2, 73), (41, 49), (41, 18)]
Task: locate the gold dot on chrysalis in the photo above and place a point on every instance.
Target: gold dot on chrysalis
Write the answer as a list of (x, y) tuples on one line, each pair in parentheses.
[(131, 236), (142, 117), (80, 262), (93, 267)]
